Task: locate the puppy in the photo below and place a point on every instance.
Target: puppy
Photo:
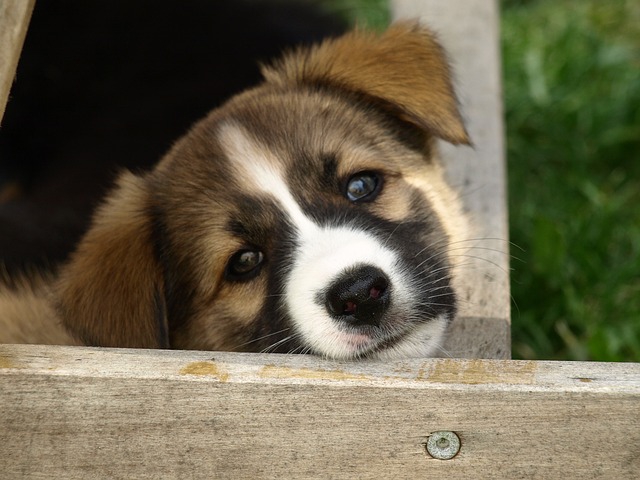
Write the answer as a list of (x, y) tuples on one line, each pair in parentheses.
[(306, 215)]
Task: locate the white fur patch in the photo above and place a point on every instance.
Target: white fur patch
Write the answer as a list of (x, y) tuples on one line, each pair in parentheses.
[(318, 262), (325, 252)]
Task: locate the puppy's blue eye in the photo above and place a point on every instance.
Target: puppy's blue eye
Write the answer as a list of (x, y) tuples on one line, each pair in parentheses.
[(244, 264), (363, 186)]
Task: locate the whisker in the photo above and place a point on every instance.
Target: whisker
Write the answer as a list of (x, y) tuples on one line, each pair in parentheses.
[(492, 239), (448, 294), (390, 235), (435, 245), (438, 278), (262, 338), (499, 267), (488, 249), (306, 351), (275, 345), (294, 351), (432, 304), (442, 350)]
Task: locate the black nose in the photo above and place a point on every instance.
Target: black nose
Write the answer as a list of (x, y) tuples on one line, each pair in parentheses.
[(359, 297)]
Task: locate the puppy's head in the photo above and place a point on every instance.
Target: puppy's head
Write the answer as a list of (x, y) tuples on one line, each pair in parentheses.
[(305, 215)]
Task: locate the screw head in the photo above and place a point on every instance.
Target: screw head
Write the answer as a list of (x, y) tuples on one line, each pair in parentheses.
[(443, 445)]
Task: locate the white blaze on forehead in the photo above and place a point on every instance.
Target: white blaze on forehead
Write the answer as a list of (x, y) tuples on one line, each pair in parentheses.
[(256, 166), (323, 253)]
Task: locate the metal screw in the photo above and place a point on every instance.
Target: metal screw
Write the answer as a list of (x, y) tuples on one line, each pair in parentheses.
[(443, 445)]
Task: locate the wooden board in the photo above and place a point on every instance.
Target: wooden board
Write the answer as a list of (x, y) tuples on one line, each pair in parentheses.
[(14, 19), (469, 31), (80, 413)]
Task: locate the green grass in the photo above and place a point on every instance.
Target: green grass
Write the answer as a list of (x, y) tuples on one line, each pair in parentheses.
[(572, 103), (572, 96)]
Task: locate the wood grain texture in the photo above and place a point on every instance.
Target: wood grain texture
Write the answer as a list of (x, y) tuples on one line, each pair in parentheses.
[(469, 31), (81, 413), (14, 19), (479, 337)]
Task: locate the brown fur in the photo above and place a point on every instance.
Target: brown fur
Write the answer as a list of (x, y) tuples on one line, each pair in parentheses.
[(113, 291), (405, 67), (110, 291)]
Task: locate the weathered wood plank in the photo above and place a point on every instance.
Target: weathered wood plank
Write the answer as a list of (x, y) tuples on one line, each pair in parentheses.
[(14, 19), (469, 31), (69, 412)]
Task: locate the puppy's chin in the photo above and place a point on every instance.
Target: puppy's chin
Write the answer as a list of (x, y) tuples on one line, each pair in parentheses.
[(424, 340), (417, 341)]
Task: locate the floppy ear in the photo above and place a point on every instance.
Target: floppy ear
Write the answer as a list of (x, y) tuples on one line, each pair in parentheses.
[(405, 68), (111, 291)]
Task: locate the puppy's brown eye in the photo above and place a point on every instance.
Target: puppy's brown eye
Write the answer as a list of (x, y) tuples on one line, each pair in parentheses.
[(363, 187), (244, 264)]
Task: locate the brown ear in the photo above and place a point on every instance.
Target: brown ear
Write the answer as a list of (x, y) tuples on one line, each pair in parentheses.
[(404, 67), (111, 291)]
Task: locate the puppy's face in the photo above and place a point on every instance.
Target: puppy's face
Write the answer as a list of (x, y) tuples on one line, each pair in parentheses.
[(306, 215)]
